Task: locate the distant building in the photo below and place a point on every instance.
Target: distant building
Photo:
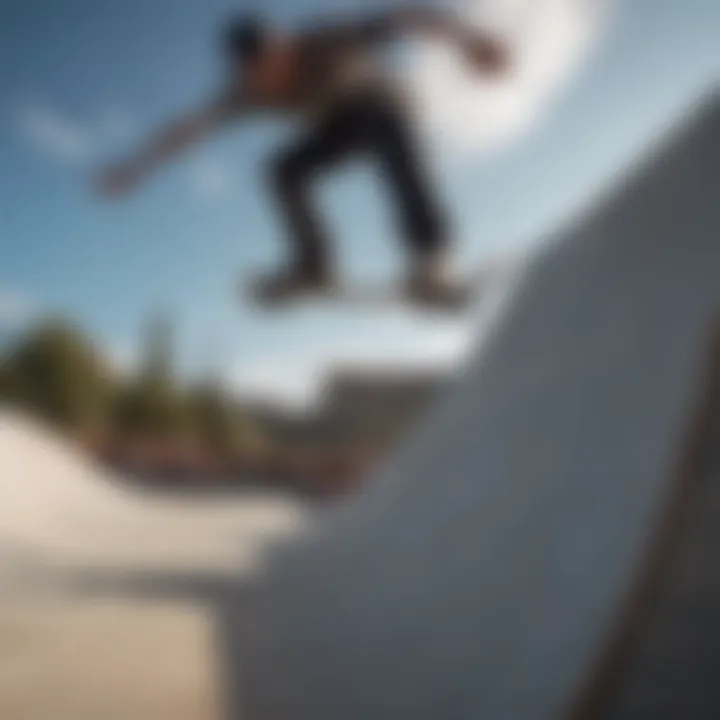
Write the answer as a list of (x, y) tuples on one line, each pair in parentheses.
[(363, 408), (376, 407)]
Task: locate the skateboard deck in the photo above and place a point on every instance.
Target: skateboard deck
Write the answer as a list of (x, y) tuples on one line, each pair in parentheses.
[(359, 295)]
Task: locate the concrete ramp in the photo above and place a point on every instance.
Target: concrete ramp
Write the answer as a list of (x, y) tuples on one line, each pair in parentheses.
[(506, 564), (59, 509), (108, 595)]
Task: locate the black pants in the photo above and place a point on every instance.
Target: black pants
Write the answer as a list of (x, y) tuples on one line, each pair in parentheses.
[(371, 124)]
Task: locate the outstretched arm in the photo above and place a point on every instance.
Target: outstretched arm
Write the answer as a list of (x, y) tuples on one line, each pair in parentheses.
[(168, 142), (487, 52)]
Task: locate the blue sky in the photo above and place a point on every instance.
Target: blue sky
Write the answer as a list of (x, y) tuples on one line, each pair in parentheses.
[(82, 80)]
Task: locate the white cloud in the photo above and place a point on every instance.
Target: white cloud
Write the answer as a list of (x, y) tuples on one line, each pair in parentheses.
[(549, 39), (55, 135), (277, 382), (15, 308)]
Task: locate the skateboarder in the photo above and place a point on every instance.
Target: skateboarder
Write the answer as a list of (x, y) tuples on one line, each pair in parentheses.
[(331, 79)]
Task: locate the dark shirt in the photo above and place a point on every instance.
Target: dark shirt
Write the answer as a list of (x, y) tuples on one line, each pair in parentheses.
[(333, 63)]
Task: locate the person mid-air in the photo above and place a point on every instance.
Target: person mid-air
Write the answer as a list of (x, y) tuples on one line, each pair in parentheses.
[(328, 78)]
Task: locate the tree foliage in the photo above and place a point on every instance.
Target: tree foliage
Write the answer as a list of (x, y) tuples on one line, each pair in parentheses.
[(55, 371)]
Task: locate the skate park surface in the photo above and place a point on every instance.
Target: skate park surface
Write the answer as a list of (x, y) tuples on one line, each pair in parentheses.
[(105, 590)]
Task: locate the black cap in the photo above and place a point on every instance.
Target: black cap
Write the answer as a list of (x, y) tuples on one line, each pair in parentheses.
[(244, 37)]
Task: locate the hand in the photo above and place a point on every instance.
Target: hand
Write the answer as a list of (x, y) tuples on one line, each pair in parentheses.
[(117, 180), (489, 55)]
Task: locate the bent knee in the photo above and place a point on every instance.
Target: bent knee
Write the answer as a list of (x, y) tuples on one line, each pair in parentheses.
[(427, 227)]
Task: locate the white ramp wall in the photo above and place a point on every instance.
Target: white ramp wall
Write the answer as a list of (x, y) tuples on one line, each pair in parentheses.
[(480, 574)]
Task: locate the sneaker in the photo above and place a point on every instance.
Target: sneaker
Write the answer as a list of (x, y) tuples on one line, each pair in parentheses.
[(288, 284), (431, 278)]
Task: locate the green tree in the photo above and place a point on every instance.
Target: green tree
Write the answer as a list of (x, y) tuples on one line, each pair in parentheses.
[(150, 406), (152, 403), (8, 384), (56, 372), (212, 423)]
